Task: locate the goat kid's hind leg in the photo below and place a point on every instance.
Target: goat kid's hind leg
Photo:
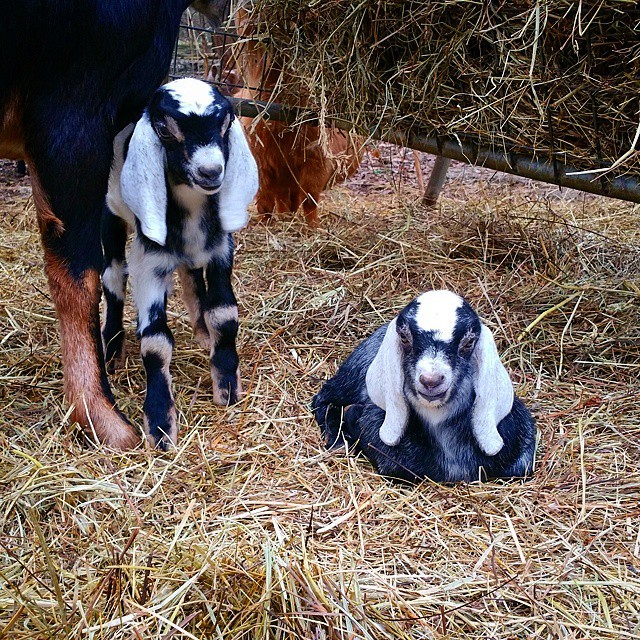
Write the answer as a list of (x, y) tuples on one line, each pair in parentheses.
[(193, 294), (150, 282), (114, 285), (221, 316)]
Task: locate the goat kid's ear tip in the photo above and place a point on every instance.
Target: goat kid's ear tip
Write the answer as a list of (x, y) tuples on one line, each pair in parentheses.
[(156, 236), (492, 445), (235, 222), (390, 434)]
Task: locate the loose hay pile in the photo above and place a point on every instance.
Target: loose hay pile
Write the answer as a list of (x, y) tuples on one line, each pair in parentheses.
[(252, 530), (555, 79)]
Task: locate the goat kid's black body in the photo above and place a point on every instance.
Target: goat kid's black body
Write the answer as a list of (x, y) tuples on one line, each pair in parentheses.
[(446, 453)]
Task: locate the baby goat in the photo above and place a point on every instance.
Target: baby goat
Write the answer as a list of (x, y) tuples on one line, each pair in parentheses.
[(426, 396), (183, 179)]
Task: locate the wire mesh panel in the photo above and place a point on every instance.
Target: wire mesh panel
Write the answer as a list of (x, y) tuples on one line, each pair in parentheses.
[(209, 48)]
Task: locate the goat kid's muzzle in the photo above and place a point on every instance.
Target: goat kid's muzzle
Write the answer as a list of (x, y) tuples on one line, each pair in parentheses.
[(208, 179), (433, 380)]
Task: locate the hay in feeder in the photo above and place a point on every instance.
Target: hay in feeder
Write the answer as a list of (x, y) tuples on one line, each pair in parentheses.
[(556, 80)]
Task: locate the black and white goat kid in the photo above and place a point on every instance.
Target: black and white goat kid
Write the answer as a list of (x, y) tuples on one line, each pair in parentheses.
[(426, 396), (183, 178)]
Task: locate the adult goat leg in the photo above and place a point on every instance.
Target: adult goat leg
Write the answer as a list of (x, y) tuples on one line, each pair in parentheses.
[(71, 241)]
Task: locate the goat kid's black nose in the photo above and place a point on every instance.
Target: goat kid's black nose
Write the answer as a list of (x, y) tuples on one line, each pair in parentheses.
[(209, 171), (431, 381)]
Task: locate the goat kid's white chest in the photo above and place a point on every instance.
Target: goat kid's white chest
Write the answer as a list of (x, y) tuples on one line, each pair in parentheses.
[(194, 236)]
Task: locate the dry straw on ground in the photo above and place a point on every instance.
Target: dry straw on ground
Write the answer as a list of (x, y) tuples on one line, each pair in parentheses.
[(553, 79), (251, 530)]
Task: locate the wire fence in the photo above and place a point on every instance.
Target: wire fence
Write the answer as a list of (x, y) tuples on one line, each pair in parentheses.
[(210, 53)]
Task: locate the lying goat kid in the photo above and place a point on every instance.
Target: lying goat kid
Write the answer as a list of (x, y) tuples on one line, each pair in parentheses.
[(183, 179), (426, 396)]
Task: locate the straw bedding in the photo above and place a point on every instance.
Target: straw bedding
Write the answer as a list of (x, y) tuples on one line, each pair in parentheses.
[(554, 79), (250, 529)]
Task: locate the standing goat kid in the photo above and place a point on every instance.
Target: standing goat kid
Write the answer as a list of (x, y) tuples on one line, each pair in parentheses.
[(183, 179)]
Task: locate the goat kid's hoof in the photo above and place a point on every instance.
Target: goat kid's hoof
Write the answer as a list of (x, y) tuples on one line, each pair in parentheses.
[(162, 441), (203, 338), (163, 435), (226, 391)]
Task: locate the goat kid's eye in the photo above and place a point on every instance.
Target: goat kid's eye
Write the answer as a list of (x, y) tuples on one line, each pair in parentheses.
[(466, 346), (163, 132)]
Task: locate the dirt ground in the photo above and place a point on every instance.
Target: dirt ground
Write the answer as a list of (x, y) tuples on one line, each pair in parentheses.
[(251, 529)]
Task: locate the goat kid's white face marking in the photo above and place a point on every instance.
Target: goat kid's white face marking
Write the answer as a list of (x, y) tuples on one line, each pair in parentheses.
[(206, 169), (437, 312), (194, 135), (436, 315)]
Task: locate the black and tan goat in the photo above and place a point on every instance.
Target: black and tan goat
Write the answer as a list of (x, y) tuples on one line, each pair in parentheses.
[(183, 178)]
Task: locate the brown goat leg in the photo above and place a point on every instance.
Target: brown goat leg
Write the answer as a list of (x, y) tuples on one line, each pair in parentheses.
[(265, 206), (85, 382), (72, 259), (310, 208)]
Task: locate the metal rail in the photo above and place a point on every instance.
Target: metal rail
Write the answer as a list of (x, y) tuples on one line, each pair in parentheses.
[(552, 172)]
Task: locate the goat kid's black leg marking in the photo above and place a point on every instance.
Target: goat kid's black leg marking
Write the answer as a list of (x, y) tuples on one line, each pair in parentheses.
[(221, 317), (114, 284), (194, 295), (160, 419), (150, 282)]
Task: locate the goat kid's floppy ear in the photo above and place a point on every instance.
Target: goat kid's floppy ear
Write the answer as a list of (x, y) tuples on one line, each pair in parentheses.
[(385, 386), (142, 181), (240, 183), (494, 394)]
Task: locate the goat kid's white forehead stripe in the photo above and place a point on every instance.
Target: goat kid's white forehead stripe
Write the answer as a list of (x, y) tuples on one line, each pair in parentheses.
[(437, 312), (193, 95)]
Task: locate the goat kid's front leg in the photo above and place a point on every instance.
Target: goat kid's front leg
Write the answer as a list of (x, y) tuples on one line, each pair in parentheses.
[(194, 294), (114, 284), (221, 317), (150, 282)]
